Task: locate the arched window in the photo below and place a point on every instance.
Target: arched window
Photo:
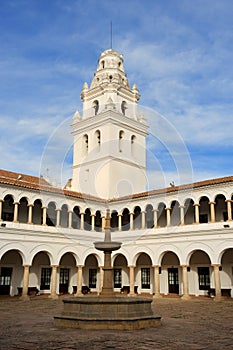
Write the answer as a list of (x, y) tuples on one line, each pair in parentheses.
[(8, 208), (85, 144), (149, 216), (121, 135), (137, 218), (37, 212), (76, 217), (97, 140), (103, 64), (98, 221), (125, 220), (96, 107), (64, 216), (123, 107), (51, 214), (23, 210), (87, 220), (133, 139)]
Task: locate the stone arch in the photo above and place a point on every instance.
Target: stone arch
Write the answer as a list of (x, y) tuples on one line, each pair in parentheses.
[(137, 217), (90, 272), (144, 273), (162, 219), (8, 208), (220, 208), (175, 213), (121, 140), (11, 272), (120, 271), (189, 211), (76, 217), (114, 219), (37, 212), (204, 210), (95, 106), (125, 219), (98, 221), (23, 210), (87, 219), (51, 218), (149, 216), (64, 216)]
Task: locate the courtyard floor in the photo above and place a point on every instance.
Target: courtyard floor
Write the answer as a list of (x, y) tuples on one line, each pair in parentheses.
[(194, 324)]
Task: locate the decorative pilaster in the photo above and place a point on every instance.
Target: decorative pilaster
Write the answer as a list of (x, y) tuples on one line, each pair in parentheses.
[(217, 282), (131, 221), (229, 209), (92, 222), (155, 218), (25, 282), (70, 214), (79, 280), (185, 295), (44, 216), (131, 280), (156, 282), (53, 294), (212, 211), (16, 209), (182, 207), (120, 222), (168, 211), (82, 221), (58, 218), (196, 206)]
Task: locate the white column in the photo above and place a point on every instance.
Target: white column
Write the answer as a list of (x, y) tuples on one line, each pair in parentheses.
[(79, 280), (155, 218), (92, 222), (185, 282), (103, 223), (120, 222), (82, 221), (53, 294), (143, 219), (70, 214), (30, 213), (156, 282), (25, 282), (1, 201), (168, 210), (131, 221), (58, 218), (217, 282), (182, 215), (196, 206), (44, 216), (229, 210), (16, 207), (131, 280), (212, 211)]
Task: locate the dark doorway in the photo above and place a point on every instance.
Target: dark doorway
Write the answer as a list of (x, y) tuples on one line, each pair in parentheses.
[(64, 280), (5, 280), (173, 280)]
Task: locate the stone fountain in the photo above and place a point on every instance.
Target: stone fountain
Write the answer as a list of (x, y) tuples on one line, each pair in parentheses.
[(107, 311)]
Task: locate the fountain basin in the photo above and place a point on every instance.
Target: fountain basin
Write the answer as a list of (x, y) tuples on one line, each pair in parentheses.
[(124, 313), (107, 246)]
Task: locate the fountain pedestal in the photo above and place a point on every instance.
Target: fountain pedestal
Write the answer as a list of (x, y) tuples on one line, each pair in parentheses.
[(107, 311)]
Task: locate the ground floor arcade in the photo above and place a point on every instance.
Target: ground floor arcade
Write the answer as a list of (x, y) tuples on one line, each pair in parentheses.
[(199, 276)]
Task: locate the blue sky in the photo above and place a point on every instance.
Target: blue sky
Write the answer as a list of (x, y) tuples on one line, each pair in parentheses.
[(179, 52)]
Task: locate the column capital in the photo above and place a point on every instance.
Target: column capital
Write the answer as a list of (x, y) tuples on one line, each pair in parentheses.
[(182, 206), (58, 209), (196, 205), (27, 265), (155, 210), (119, 214), (167, 208), (229, 201), (93, 215), (216, 265), (44, 207), (2, 200), (80, 266), (156, 266), (212, 203), (16, 202), (30, 205)]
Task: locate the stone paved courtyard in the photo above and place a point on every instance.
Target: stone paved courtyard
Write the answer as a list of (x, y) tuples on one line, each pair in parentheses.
[(194, 324)]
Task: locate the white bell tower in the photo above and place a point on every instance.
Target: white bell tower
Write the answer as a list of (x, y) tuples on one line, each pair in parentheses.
[(109, 138)]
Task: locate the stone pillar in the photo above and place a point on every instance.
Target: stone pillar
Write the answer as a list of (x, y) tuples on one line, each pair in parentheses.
[(196, 206), (156, 282), (25, 282), (120, 222), (212, 211), (70, 215), (103, 223), (143, 219), (79, 280), (1, 201), (155, 218), (16, 207), (82, 221), (168, 210), (217, 282), (101, 277), (30, 213), (44, 216), (131, 221), (53, 294), (92, 222), (229, 210), (58, 219), (182, 207), (185, 295), (131, 280)]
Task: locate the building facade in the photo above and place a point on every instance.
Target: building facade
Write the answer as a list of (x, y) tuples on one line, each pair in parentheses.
[(176, 240)]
